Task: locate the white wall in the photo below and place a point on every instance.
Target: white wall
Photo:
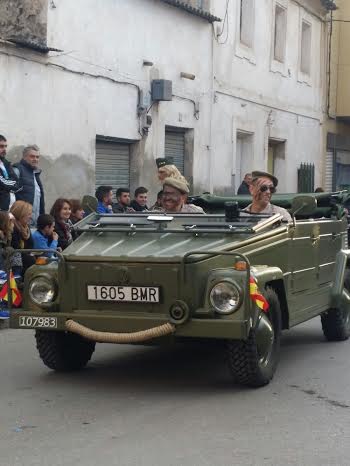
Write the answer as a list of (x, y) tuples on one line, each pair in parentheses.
[(62, 108), (254, 93)]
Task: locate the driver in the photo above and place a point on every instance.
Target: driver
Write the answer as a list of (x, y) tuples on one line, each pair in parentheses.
[(262, 187), (174, 197)]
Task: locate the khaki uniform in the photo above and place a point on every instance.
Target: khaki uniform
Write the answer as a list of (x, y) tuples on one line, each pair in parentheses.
[(272, 209)]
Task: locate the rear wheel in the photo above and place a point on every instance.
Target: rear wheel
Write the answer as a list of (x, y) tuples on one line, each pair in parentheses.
[(336, 322), (63, 351), (253, 362)]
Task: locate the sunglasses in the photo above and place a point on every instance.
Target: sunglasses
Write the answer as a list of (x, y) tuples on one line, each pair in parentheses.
[(266, 187)]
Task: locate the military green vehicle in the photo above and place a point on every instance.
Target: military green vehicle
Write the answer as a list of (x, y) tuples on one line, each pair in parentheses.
[(230, 276)]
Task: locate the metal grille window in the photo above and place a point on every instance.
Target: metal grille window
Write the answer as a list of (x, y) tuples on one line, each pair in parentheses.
[(112, 164), (328, 182), (175, 147)]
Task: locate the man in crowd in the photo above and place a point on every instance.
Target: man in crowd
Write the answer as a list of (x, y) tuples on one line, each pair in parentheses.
[(139, 204), (123, 204), (262, 187), (158, 203), (104, 196), (9, 183), (244, 187), (28, 173), (174, 197)]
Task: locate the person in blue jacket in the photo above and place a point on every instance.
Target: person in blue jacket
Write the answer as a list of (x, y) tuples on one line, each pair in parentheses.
[(45, 236), (104, 195)]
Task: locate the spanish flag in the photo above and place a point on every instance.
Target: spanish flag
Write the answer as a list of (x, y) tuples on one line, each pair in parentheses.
[(16, 295), (256, 296)]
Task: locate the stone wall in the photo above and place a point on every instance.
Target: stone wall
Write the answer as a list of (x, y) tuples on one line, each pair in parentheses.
[(24, 20)]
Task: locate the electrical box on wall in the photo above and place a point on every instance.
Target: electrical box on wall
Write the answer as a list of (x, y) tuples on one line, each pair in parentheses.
[(162, 89)]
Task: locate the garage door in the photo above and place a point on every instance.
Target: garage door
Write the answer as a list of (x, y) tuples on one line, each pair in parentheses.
[(112, 164), (175, 147)]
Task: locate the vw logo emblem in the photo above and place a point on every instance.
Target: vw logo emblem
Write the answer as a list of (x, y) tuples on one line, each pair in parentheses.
[(122, 276)]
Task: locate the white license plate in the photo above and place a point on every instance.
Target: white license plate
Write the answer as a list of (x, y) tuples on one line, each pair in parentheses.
[(37, 322), (127, 294)]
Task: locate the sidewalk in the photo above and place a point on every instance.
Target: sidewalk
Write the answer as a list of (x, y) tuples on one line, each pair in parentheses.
[(4, 319)]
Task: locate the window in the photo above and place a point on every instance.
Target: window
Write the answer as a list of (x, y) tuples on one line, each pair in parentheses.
[(305, 48), (246, 31), (280, 33), (276, 159)]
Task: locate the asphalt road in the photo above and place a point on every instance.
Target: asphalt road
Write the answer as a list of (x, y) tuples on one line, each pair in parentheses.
[(175, 406)]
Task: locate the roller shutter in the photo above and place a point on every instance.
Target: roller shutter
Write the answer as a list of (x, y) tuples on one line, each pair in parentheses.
[(112, 164), (175, 147), (328, 179)]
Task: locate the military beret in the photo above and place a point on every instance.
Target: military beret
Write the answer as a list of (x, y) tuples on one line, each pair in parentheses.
[(180, 185), (160, 162), (259, 174)]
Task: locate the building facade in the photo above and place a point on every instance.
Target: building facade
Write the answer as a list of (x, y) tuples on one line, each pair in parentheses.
[(247, 76), (337, 128)]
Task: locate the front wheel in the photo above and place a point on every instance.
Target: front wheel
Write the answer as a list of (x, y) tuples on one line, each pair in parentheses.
[(63, 351), (253, 362)]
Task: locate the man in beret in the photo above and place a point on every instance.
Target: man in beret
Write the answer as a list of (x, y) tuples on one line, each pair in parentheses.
[(174, 198), (262, 187)]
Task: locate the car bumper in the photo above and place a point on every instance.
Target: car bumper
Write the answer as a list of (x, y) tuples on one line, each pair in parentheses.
[(193, 328)]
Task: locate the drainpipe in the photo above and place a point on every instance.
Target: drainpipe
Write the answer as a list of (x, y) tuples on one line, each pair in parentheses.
[(210, 147)]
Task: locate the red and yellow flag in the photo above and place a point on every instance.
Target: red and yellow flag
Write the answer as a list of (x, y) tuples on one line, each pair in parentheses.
[(256, 296), (16, 295)]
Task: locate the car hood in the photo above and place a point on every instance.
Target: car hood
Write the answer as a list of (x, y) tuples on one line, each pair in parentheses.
[(140, 246)]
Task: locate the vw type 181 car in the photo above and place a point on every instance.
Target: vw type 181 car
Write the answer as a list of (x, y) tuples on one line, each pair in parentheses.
[(229, 276)]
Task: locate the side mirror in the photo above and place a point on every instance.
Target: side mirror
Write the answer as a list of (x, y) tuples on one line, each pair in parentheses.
[(304, 205)]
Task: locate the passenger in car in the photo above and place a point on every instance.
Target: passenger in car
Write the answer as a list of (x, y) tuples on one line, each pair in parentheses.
[(262, 187)]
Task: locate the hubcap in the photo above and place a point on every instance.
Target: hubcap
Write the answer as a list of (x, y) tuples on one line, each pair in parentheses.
[(265, 337)]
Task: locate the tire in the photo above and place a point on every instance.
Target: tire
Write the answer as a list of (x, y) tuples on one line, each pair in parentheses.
[(63, 351), (253, 362), (336, 322)]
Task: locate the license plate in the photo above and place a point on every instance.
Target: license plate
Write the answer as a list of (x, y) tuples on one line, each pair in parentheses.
[(37, 322), (127, 294)]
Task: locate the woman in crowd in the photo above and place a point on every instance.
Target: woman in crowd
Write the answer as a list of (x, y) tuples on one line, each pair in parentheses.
[(6, 230), (21, 236), (61, 212), (167, 169), (77, 212)]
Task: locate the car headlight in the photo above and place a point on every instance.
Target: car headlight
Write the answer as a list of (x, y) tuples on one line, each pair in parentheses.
[(42, 290), (225, 297)]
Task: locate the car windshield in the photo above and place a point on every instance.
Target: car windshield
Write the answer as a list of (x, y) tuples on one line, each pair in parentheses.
[(148, 222)]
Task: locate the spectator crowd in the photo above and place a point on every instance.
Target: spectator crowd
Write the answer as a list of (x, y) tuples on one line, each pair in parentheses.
[(25, 224)]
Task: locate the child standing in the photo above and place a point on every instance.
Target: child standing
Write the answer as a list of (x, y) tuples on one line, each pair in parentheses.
[(45, 236)]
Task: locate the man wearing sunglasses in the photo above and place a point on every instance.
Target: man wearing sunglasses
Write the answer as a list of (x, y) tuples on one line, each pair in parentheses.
[(262, 187)]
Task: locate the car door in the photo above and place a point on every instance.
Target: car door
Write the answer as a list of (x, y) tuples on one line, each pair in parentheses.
[(302, 276)]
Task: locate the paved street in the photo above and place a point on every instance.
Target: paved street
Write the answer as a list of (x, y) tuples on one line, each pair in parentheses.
[(150, 406)]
